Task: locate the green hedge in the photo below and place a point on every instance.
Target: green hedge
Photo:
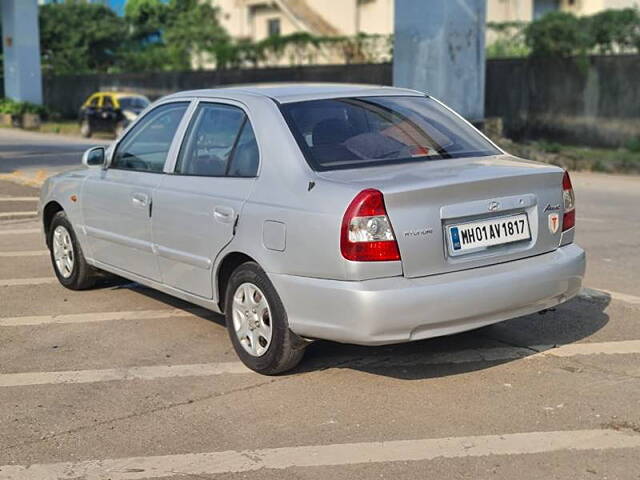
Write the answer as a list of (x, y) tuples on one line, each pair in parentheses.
[(12, 107), (562, 34)]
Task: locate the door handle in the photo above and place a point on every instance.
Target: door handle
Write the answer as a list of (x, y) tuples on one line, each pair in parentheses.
[(223, 214), (140, 199)]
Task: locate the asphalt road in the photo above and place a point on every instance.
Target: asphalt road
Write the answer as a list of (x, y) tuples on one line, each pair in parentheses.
[(122, 382)]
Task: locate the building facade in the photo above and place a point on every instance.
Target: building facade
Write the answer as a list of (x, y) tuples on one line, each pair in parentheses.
[(257, 19)]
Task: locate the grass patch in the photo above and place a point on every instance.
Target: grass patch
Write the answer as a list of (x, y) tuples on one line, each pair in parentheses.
[(64, 127), (573, 157)]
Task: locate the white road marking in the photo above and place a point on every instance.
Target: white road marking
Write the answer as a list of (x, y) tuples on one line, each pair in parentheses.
[(125, 373), (19, 199), (99, 317), (231, 461), (17, 214), (599, 293), (209, 369), (25, 253), (22, 231), (604, 348), (587, 219), (16, 282)]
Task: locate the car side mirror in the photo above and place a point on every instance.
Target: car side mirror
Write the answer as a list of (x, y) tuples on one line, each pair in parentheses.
[(94, 157)]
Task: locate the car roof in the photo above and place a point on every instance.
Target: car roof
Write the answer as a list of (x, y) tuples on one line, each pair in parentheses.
[(117, 94), (295, 92)]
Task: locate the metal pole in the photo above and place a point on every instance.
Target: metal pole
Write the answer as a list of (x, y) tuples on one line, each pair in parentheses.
[(439, 49), (21, 47)]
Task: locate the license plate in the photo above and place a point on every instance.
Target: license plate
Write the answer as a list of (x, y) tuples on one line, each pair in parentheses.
[(482, 234)]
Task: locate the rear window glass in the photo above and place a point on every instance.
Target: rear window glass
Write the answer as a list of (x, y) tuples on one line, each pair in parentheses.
[(133, 103), (368, 131)]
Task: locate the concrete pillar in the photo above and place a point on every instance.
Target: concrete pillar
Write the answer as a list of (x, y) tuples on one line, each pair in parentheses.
[(21, 47), (439, 49)]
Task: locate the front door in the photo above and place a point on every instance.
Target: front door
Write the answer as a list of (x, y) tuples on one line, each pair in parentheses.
[(196, 208), (117, 203)]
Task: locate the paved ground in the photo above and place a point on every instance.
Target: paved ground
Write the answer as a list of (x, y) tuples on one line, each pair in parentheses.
[(124, 383)]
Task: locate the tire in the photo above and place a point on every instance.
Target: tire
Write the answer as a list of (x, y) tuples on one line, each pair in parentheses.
[(268, 356), (73, 271), (85, 128), (119, 129)]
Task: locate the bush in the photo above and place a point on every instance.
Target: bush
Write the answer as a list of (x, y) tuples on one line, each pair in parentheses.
[(616, 31), (9, 106), (633, 145), (559, 34)]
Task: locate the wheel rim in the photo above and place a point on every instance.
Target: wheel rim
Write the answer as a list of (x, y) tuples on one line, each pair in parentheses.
[(252, 319), (63, 251)]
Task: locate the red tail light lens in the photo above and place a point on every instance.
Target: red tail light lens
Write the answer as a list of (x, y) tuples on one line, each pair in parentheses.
[(366, 234), (569, 218)]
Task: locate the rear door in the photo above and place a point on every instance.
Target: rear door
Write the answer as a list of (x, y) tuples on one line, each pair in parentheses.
[(117, 202), (197, 206)]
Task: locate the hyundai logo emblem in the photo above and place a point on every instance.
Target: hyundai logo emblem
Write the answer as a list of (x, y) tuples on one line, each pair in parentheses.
[(493, 206)]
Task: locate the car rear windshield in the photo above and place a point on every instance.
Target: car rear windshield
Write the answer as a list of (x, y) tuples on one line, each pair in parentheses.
[(369, 131), (133, 103)]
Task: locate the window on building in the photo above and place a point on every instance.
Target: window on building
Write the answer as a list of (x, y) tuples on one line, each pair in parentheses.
[(542, 7), (273, 27)]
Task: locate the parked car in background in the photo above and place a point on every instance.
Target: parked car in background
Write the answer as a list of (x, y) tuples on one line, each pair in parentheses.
[(365, 215), (110, 112)]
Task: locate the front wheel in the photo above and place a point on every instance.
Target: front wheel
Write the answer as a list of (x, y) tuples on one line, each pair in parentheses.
[(257, 323), (85, 128), (67, 258)]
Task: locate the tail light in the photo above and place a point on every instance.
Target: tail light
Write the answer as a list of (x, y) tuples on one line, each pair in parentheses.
[(569, 218), (366, 234)]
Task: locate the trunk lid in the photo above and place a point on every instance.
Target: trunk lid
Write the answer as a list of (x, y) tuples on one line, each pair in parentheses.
[(423, 199)]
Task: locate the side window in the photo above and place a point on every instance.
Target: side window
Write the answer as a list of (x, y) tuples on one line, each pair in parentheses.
[(244, 162), (211, 140), (93, 102), (146, 146), (107, 101)]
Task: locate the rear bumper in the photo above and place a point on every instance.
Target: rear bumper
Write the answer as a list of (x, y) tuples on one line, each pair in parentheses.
[(399, 309)]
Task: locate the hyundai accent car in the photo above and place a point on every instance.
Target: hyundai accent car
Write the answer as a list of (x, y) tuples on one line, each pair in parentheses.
[(364, 215)]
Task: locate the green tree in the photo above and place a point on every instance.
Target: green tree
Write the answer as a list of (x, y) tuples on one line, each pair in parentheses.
[(559, 34), (616, 30), (77, 37), (166, 36)]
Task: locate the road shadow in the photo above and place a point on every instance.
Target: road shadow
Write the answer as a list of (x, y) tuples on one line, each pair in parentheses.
[(479, 349)]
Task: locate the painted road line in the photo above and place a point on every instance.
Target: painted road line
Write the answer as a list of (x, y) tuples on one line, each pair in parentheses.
[(604, 348), (17, 214), (17, 282), (590, 293), (19, 199), (231, 461), (100, 317), (23, 231), (25, 253), (210, 369), (125, 373)]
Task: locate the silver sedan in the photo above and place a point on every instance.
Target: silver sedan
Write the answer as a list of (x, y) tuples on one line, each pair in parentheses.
[(364, 215)]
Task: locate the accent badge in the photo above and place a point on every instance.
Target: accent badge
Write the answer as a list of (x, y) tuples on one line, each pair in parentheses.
[(554, 222)]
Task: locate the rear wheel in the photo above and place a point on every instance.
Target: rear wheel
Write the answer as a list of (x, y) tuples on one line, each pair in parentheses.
[(257, 323), (67, 258), (120, 126), (85, 128)]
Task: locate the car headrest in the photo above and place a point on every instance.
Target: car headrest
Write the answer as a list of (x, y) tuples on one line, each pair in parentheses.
[(330, 131)]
